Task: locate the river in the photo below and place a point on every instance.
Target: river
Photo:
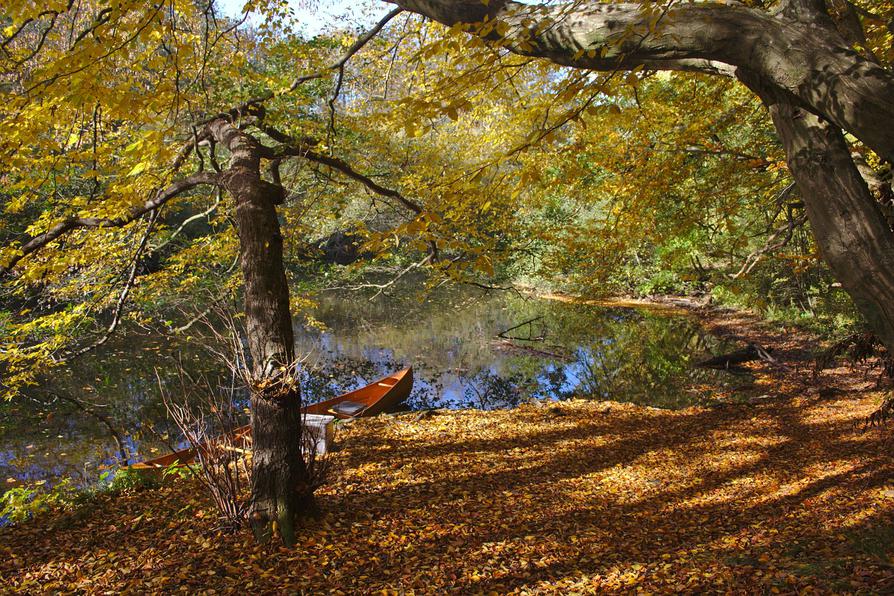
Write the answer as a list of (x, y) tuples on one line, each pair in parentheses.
[(469, 349)]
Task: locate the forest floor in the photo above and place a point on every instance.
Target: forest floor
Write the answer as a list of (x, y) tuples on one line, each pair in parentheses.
[(781, 495)]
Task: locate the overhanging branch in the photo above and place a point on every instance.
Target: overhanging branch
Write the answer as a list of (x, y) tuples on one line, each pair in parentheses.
[(304, 149), (73, 223), (807, 60)]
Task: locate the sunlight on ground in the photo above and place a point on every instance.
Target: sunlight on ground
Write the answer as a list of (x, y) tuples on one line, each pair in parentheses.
[(580, 496)]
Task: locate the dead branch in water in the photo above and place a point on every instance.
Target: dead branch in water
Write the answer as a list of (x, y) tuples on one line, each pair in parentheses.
[(502, 334)]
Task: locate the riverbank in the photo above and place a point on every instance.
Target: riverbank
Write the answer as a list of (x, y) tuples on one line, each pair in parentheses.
[(781, 493), (579, 496)]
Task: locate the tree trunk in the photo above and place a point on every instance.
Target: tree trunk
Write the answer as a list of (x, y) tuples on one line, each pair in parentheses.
[(281, 489), (849, 227)]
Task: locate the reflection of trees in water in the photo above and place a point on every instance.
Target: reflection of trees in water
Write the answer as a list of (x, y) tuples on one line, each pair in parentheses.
[(428, 392), (554, 383), (488, 390), (622, 354), (619, 354), (339, 374), (451, 329), (648, 362)]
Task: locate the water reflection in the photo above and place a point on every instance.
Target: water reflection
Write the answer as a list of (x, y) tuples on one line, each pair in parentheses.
[(464, 356), (468, 349)]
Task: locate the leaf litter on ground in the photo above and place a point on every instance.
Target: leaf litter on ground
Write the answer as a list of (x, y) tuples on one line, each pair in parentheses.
[(781, 496)]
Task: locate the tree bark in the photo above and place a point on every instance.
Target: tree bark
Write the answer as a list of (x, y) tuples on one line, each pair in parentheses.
[(849, 227), (281, 489), (796, 50)]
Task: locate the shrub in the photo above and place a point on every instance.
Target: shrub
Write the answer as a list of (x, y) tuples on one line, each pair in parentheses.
[(25, 502)]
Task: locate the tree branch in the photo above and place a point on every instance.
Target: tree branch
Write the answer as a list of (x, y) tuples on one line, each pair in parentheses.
[(774, 243), (303, 148), (64, 227), (122, 297), (337, 66), (383, 287), (206, 213), (807, 60), (119, 442)]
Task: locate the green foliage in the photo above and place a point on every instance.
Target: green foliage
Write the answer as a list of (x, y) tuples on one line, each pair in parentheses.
[(662, 281), (126, 479), (24, 502), (814, 302), (177, 472)]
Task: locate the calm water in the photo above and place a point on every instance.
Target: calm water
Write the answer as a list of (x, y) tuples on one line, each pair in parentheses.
[(456, 340)]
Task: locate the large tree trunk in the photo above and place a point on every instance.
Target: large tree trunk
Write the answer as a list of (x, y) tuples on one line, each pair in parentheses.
[(849, 227), (281, 490)]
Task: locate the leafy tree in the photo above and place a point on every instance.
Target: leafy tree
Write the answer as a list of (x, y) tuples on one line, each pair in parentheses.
[(125, 124), (104, 106), (818, 69)]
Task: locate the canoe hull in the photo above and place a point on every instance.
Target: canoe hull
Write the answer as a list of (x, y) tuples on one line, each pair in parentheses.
[(378, 397)]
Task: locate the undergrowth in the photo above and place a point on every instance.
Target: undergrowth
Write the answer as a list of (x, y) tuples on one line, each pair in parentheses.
[(34, 499)]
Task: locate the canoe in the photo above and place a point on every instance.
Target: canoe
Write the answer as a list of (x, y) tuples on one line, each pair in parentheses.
[(377, 397), (380, 396)]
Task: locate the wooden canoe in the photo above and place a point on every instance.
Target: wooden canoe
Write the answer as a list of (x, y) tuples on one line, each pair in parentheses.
[(379, 396)]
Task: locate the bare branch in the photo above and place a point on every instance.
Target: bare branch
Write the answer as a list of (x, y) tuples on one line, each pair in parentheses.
[(337, 66), (206, 213), (777, 240), (87, 409), (382, 287)]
